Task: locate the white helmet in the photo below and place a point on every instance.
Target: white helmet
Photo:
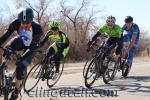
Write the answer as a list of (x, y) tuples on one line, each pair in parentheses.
[(110, 20)]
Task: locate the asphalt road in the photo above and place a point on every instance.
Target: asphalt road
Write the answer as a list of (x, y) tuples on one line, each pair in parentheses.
[(71, 85)]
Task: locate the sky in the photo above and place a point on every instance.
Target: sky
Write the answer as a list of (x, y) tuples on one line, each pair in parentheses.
[(138, 9)]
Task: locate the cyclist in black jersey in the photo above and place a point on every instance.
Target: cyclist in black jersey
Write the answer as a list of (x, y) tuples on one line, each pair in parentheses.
[(29, 34)]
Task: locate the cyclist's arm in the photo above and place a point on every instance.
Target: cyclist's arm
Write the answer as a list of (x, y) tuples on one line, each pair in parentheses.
[(10, 30), (132, 41), (65, 42), (133, 38), (96, 35), (42, 42)]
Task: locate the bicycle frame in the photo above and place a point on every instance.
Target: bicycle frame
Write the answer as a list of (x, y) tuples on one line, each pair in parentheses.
[(7, 85)]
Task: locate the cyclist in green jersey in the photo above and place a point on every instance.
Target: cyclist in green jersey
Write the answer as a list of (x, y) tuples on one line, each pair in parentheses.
[(114, 31), (60, 46)]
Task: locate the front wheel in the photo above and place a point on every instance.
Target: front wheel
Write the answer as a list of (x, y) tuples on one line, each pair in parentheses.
[(91, 73), (85, 67), (32, 77)]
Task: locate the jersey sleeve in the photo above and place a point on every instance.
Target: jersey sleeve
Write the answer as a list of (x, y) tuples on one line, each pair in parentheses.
[(135, 30), (12, 27), (102, 28)]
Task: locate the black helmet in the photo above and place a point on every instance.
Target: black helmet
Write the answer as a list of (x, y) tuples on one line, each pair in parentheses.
[(26, 15), (128, 19)]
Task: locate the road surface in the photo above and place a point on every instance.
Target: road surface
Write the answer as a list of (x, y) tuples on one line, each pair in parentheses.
[(135, 87)]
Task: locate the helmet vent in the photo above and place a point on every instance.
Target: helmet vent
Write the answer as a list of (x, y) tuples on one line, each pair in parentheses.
[(24, 15)]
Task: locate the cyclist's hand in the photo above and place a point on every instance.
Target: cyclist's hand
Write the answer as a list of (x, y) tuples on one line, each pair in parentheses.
[(91, 43), (34, 46)]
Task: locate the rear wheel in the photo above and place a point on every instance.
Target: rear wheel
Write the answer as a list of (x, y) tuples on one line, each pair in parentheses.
[(125, 70), (110, 69), (53, 77)]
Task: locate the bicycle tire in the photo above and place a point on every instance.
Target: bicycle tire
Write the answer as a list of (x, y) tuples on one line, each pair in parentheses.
[(88, 85), (28, 75), (107, 73), (51, 85), (85, 67)]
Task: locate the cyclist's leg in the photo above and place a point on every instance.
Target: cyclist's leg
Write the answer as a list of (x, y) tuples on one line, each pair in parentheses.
[(119, 47), (51, 50), (131, 55), (15, 44), (108, 44), (59, 56)]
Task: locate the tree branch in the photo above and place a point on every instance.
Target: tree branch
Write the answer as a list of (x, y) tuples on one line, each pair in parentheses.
[(31, 6)]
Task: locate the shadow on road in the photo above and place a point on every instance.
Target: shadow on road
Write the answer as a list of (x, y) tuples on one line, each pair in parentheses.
[(136, 84)]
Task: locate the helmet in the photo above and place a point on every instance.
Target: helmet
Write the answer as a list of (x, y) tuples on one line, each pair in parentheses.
[(54, 24), (26, 15), (110, 20), (128, 19)]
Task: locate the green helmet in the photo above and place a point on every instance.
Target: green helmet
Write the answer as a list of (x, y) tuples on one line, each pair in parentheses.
[(54, 24)]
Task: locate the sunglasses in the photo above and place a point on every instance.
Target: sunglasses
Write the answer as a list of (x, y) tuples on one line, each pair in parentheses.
[(54, 28), (25, 22)]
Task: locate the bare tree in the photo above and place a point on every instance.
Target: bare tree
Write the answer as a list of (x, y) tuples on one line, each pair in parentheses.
[(66, 11)]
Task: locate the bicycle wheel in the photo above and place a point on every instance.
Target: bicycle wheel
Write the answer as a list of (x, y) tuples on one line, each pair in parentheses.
[(109, 74), (52, 78), (33, 77), (125, 67), (125, 70), (91, 73), (85, 67)]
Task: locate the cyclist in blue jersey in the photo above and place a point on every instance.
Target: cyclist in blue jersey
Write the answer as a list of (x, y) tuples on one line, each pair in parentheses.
[(131, 34)]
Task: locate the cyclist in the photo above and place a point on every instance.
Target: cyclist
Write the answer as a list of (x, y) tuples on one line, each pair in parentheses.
[(114, 31), (131, 33), (29, 33), (60, 48)]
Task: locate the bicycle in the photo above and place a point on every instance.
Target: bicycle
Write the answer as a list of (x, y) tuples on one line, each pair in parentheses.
[(89, 59), (44, 69), (119, 65), (96, 66), (122, 62), (110, 65), (6, 80)]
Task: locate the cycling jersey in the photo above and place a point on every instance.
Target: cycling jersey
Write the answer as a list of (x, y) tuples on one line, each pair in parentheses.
[(128, 33), (26, 36), (114, 32), (16, 26), (61, 42), (60, 38)]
